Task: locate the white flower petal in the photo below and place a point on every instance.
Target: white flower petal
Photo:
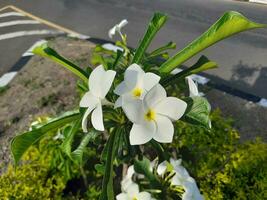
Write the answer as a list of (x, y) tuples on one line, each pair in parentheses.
[(88, 100), (130, 171), (133, 190), (97, 118), (123, 23), (84, 120), (162, 168), (142, 133), (100, 81), (112, 32), (133, 108), (121, 89), (95, 80), (193, 90), (153, 96), (133, 76), (164, 131), (143, 196), (122, 196), (171, 107), (107, 82), (150, 80), (118, 102)]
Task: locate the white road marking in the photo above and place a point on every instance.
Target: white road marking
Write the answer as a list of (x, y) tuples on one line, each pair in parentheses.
[(263, 102), (17, 22), (79, 36), (25, 33), (8, 14), (29, 51), (6, 78)]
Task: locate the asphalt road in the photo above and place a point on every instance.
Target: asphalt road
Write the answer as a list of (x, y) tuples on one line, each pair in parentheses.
[(242, 58)]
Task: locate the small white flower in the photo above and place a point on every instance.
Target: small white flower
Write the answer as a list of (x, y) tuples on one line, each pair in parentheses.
[(182, 178), (153, 116), (193, 88), (135, 85), (99, 82), (191, 190), (133, 193), (127, 180), (117, 28)]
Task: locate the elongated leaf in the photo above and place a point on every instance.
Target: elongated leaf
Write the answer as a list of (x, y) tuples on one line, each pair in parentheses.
[(21, 143), (45, 51), (107, 183), (68, 140), (77, 154), (197, 112), (229, 24), (143, 167), (170, 45), (154, 26), (201, 65)]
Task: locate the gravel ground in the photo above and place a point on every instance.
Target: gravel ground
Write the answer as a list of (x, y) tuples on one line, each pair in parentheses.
[(42, 88)]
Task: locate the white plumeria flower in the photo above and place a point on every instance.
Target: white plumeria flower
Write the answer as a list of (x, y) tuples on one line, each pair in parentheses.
[(181, 178), (99, 82), (135, 85), (191, 190), (133, 193), (152, 117), (127, 180), (193, 90), (117, 28)]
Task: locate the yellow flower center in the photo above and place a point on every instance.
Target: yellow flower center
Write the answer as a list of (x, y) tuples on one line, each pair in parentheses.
[(134, 198), (150, 115), (137, 92)]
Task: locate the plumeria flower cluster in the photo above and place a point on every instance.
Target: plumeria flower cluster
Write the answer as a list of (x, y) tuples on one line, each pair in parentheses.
[(141, 97), (181, 178), (130, 190)]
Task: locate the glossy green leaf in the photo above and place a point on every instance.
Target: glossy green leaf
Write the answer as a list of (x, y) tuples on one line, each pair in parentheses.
[(154, 26), (21, 143), (159, 51), (229, 24), (143, 167), (68, 140), (77, 154), (197, 112), (45, 51), (107, 183), (201, 65)]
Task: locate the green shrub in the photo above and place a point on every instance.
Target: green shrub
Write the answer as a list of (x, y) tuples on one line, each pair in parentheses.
[(243, 177), (224, 168), (31, 180)]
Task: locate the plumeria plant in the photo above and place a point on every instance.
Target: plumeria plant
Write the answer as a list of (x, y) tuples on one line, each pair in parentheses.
[(130, 104)]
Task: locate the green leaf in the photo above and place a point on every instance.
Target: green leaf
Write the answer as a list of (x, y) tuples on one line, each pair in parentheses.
[(143, 167), (154, 26), (21, 143), (229, 24), (45, 51), (159, 51), (201, 65), (107, 183), (197, 112), (68, 140), (77, 155)]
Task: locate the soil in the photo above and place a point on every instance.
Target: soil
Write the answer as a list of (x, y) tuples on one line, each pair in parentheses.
[(41, 88)]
